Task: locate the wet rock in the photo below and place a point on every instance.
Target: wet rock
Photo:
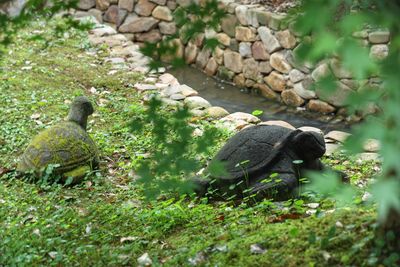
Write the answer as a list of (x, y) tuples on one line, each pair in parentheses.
[(300, 89), (265, 67), (269, 40), (296, 76), (241, 116), (286, 39), (196, 102), (138, 24), (379, 51), (190, 53), (228, 25), (245, 49), (126, 4), (379, 37), (112, 15), (86, 4), (233, 61), (320, 106), (267, 92), (167, 28), (250, 69), (144, 8), (278, 61), (239, 80), (258, 51), (203, 57), (276, 81), (338, 136), (241, 14), (162, 13), (216, 112), (244, 34), (278, 123), (211, 67), (311, 129), (225, 73), (291, 98), (223, 39)]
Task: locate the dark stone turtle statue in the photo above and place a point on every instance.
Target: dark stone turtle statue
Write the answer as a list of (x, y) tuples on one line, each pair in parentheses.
[(66, 145), (264, 161)]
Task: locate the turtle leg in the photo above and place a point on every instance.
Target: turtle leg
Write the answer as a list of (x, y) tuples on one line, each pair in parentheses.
[(282, 187)]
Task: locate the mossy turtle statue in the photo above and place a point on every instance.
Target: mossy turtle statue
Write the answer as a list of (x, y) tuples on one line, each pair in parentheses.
[(65, 145), (264, 161)]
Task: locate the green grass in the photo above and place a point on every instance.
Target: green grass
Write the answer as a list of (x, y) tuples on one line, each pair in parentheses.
[(106, 222)]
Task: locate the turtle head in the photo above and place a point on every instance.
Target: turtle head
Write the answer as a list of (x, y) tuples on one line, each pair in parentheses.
[(309, 145), (80, 109)]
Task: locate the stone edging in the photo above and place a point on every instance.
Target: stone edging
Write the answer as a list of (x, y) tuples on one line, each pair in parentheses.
[(125, 56)]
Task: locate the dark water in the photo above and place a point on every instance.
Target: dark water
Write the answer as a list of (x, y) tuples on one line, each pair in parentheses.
[(233, 99)]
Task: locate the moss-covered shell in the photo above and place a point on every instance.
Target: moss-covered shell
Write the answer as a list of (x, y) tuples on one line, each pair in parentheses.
[(66, 144)]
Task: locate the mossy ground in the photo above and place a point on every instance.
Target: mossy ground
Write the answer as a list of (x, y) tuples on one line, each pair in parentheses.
[(106, 222)]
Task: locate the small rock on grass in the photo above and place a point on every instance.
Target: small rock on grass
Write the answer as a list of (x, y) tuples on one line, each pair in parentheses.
[(145, 260), (257, 249)]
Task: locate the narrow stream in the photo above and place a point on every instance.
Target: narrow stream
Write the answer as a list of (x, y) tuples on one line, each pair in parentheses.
[(233, 99)]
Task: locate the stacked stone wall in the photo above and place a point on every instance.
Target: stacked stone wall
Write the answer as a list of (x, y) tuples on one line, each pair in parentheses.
[(256, 49)]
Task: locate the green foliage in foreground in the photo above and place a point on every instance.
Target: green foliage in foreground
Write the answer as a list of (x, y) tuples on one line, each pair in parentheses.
[(105, 222)]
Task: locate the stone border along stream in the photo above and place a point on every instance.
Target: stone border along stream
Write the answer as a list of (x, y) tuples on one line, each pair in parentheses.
[(124, 55)]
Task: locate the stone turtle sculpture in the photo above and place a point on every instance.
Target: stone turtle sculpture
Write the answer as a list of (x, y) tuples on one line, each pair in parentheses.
[(264, 161), (66, 145)]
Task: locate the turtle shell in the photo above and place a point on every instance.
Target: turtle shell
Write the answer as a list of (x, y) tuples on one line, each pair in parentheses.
[(66, 144), (252, 149)]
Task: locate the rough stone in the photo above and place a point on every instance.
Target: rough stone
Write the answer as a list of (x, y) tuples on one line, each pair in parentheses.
[(233, 61), (225, 73), (210, 33), (250, 69), (167, 28), (263, 16), (320, 72), (239, 80), (162, 13), (276, 21), (159, 2), (211, 67), (171, 4), (379, 51), (252, 17), (360, 34), (276, 81), (320, 106), (278, 62), (249, 83), (126, 4), (371, 145), (245, 49), (265, 67), (103, 31), (218, 54), (203, 57), (367, 156), (241, 116), (223, 39), (122, 14), (144, 8), (291, 98), (138, 24), (296, 76), (269, 40), (302, 90), (216, 112), (336, 98), (97, 14), (258, 51), (228, 25), (338, 136), (152, 36), (278, 123), (286, 39), (244, 34), (241, 14), (379, 37), (187, 90), (267, 92), (234, 45), (311, 129), (196, 102), (184, 3), (112, 15), (190, 53), (167, 78), (332, 149), (102, 4), (86, 4), (339, 71)]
